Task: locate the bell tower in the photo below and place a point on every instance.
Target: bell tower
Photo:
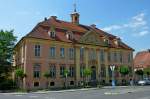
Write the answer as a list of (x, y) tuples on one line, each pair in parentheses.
[(75, 16)]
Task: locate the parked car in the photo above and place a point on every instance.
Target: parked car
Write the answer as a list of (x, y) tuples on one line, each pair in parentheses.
[(144, 82)]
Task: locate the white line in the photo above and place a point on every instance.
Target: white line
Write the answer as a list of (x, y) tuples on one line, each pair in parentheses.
[(33, 96)]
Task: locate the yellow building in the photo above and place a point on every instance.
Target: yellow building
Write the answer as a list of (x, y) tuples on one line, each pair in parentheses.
[(54, 46)]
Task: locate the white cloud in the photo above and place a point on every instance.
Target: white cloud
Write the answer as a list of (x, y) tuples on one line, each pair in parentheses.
[(113, 27), (143, 33), (137, 23)]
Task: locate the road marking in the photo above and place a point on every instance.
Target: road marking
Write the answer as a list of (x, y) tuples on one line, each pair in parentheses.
[(33, 96), (111, 93), (19, 95)]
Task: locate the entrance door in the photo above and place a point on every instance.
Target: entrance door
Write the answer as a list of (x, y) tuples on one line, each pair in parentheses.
[(93, 75)]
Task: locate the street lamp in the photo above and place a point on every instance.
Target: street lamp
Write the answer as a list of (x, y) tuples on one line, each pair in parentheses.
[(112, 67)]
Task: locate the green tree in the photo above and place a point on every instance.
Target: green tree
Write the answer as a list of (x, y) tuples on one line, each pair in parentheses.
[(140, 72), (87, 72), (66, 73), (147, 71), (7, 42), (20, 73), (124, 70), (46, 75)]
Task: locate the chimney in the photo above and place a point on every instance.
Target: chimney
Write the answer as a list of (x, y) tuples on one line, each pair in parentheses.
[(45, 19), (93, 26)]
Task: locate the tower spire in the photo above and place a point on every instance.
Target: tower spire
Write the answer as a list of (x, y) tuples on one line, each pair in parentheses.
[(75, 9)]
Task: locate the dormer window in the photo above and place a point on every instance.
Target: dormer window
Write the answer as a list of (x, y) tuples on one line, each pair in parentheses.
[(52, 34), (106, 40), (69, 35), (117, 41)]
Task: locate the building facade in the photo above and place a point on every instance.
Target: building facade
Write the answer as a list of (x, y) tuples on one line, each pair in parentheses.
[(55, 45)]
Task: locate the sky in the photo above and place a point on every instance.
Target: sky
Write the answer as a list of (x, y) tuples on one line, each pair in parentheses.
[(128, 19)]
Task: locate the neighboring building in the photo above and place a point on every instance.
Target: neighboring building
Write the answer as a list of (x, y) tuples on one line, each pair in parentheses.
[(55, 45), (142, 60)]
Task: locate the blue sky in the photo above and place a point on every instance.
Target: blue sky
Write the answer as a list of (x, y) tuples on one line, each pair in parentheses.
[(128, 19)]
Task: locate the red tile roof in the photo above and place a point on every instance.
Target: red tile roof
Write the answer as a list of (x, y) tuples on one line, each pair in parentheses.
[(142, 59), (41, 31)]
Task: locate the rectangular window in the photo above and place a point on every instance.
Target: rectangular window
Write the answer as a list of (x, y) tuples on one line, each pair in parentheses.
[(102, 55), (52, 52), (71, 71), (121, 57), (115, 56), (103, 70), (62, 68), (62, 52), (36, 70), (109, 56), (82, 71), (129, 57), (52, 71), (71, 53), (37, 49), (81, 53)]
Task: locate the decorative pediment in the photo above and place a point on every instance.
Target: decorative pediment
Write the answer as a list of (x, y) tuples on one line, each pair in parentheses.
[(91, 37)]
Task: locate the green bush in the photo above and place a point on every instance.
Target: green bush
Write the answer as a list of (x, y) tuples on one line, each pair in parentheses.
[(7, 85)]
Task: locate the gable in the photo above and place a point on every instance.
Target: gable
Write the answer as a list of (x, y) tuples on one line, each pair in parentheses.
[(90, 37)]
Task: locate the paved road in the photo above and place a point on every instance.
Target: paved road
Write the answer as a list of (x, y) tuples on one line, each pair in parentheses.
[(118, 93)]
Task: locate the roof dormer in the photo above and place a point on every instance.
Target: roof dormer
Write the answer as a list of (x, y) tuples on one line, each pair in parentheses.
[(52, 33), (69, 35), (117, 41)]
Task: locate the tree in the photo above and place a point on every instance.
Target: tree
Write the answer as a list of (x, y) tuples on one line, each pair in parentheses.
[(20, 73), (66, 72), (87, 72), (46, 75), (7, 42), (140, 73), (124, 70), (147, 71)]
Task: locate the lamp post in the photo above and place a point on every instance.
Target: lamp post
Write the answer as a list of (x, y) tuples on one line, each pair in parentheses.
[(112, 67)]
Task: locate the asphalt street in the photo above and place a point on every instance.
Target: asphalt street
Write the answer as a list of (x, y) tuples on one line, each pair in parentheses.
[(106, 93)]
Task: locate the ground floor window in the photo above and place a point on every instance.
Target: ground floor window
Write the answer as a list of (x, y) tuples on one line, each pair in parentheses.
[(52, 83), (71, 82), (36, 84)]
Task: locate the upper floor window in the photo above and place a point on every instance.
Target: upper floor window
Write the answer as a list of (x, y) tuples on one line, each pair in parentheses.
[(52, 52), (120, 57), (92, 54), (81, 53), (37, 50), (102, 56), (129, 57), (62, 52), (52, 71), (71, 53), (115, 56), (52, 34)]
